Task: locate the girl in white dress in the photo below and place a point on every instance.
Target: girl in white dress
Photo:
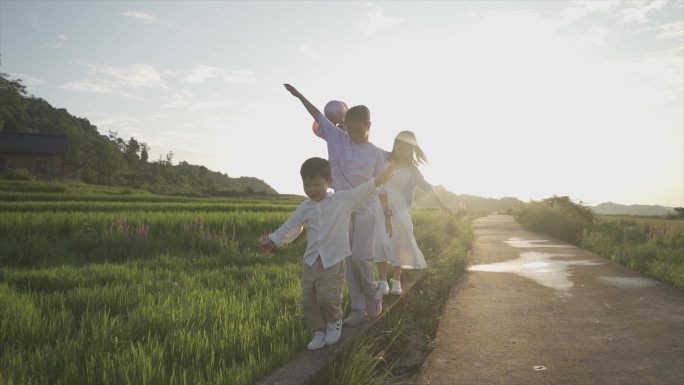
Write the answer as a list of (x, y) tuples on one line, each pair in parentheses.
[(400, 248)]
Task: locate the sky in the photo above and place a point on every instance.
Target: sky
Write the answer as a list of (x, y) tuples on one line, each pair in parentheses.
[(525, 99)]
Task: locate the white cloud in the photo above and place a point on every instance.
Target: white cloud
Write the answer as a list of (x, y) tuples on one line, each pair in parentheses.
[(596, 36), (306, 50), (186, 98), (146, 18), (113, 120), (636, 11), (210, 104), (239, 76), (376, 21), (673, 30), (59, 42), (183, 98), (100, 87), (27, 80), (578, 9), (118, 80), (202, 73), (135, 76)]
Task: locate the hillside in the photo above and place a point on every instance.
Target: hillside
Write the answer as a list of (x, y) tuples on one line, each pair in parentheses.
[(610, 208), (108, 159)]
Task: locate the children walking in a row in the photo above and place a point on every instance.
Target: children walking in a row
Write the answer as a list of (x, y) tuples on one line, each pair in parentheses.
[(342, 228)]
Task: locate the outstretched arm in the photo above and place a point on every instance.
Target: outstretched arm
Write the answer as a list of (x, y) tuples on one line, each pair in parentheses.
[(430, 190), (439, 200), (315, 113)]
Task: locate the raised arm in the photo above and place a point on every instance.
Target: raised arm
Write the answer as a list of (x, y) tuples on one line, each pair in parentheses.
[(313, 111)]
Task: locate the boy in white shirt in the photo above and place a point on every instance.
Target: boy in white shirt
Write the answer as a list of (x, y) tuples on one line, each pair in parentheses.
[(354, 160), (326, 217)]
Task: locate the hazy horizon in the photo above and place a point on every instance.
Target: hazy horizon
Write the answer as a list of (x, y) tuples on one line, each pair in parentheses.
[(519, 99)]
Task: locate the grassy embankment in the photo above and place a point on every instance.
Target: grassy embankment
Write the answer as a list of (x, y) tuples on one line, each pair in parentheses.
[(393, 349)]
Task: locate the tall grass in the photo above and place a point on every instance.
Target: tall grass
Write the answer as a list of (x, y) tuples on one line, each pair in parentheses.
[(654, 247), (101, 286), (558, 217), (151, 206), (39, 238), (76, 191), (162, 320)]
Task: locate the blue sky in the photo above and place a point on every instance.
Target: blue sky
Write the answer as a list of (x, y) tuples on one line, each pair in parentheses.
[(525, 99)]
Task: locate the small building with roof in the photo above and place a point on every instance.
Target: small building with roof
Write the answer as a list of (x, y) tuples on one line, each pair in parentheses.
[(44, 156)]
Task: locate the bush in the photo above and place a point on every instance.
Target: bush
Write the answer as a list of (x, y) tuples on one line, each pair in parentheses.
[(18, 174), (558, 217)]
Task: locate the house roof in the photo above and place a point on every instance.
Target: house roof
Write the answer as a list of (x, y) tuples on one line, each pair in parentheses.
[(33, 144)]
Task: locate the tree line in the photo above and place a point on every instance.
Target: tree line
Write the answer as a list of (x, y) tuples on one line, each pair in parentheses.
[(110, 159)]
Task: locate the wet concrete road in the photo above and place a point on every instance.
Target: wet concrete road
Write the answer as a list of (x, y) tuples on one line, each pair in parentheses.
[(533, 310)]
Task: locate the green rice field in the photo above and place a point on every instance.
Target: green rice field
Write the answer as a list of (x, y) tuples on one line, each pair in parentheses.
[(112, 286)]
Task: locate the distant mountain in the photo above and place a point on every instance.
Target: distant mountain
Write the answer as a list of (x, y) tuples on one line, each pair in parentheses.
[(469, 202), (611, 208)]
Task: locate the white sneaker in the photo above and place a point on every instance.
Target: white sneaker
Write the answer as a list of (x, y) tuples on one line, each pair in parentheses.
[(354, 318), (396, 287), (318, 341), (374, 305), (333, 332), (384, 287)]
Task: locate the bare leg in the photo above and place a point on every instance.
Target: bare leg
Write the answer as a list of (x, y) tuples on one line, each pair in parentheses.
[(397, 273), (382, 270)]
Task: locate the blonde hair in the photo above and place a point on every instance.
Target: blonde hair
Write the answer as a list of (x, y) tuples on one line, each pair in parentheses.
[(418, 157)]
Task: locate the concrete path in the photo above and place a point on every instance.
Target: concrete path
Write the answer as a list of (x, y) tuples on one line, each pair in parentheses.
[(533, 310)]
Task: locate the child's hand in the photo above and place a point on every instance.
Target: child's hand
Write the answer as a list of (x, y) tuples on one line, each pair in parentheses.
[(267, 245), (388, 225), (384, 177), (292, 90)]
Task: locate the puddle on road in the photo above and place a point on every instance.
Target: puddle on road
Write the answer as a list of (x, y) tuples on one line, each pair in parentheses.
[(532, 243), (628, 282), (540, 267)]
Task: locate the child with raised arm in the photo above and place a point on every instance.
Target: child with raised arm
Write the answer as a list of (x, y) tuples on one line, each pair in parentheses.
[(326, 217), (354, 160)]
